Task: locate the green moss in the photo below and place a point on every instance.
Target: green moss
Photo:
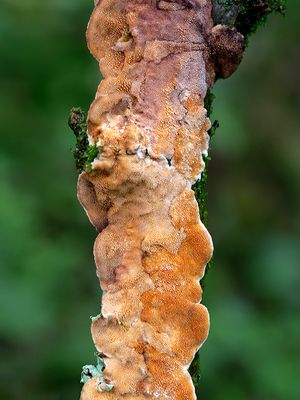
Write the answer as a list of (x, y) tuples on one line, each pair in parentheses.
[(208, 102), (252, 14), (246, 15), (201, 194), (194, 371), (84, 154), (89, 155), (200, 186)]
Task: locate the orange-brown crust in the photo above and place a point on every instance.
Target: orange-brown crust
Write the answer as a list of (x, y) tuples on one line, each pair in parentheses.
[(149, 122), (184, 322), (168, 379)]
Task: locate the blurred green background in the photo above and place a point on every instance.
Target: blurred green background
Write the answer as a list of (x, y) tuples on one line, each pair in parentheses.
[(48, 286)]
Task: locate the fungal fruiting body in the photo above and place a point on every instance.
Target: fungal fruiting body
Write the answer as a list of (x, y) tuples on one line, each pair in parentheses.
[(148, 121)]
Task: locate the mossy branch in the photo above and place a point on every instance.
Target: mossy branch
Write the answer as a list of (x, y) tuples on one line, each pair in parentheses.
[(245, 15)]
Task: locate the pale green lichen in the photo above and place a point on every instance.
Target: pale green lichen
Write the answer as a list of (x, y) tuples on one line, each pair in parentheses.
[(95, 318), (91, 371)]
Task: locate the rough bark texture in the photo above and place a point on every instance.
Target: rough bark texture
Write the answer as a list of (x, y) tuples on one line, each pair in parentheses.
[(158, 59)]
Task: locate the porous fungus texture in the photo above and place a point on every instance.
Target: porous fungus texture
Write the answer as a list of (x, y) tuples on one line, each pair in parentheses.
[(158, 59)]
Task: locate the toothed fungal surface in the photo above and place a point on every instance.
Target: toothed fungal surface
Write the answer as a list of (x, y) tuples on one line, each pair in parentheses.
[(158, 59)]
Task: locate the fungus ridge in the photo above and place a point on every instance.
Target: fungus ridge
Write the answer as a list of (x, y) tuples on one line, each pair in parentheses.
[(158, 59)]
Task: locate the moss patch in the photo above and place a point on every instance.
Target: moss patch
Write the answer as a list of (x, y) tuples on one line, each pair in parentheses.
[(200, 187), (245, 15), (201, 194), (84, 154)]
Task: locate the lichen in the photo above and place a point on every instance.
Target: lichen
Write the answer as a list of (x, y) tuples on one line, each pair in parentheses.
[(91, 371), (92, 318), (84, 153)]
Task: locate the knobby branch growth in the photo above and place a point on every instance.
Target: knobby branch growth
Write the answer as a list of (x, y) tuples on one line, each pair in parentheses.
[(142, 155)]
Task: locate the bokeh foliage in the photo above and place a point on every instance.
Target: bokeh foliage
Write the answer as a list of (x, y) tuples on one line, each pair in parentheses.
[(48, 287)]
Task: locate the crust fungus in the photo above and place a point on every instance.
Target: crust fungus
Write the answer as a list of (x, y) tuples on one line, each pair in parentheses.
[(149, 123)]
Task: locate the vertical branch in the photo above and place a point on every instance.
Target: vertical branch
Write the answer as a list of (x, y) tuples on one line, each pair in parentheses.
[(144, 147)]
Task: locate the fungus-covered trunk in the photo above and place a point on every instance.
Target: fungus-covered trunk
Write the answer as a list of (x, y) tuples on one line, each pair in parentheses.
[(149, 127)]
